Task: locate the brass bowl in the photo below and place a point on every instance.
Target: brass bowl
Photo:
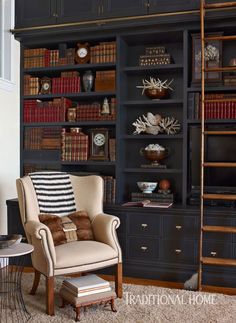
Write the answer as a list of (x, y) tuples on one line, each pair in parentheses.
[(154, 156), (157, 94)]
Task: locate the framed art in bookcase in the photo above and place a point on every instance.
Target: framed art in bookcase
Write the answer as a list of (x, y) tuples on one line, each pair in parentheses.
[(213, 59)]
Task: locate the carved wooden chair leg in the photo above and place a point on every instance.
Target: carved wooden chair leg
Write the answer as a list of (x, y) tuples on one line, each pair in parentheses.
[(37, 275), (77, 310), (113, 305), (50, 295), (118, 280)]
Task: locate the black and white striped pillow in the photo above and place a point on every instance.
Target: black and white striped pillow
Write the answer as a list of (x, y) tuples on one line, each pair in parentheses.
[(54, 192)]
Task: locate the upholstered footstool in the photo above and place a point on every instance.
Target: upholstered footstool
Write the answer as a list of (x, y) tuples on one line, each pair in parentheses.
[(85, 301)]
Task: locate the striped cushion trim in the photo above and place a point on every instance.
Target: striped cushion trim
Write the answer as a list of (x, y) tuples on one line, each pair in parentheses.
[(54, 192)]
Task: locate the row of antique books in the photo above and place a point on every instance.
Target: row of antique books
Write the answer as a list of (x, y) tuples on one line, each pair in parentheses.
[(42, 138), (105, 52), (46, 111), (43, 57), (109, 189), (93, 111), (31, 85), (74, 145), (68, 82), (223, 106), (56, 110)]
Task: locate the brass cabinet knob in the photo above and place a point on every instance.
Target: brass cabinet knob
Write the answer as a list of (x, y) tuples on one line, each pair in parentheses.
[(178, 251), (213, 253), (55, 15), (143, 248), (178, 227), (144, 225)]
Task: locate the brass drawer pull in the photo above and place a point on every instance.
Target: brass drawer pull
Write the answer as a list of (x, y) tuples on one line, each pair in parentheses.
[(178, 251), (178, 227), (213, 253), (144, 248), (144, 225)]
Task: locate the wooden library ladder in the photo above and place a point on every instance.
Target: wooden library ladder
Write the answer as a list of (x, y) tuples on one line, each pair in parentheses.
[(210, 228)]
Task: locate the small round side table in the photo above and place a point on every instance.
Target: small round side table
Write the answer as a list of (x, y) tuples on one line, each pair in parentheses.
[(12, 306)]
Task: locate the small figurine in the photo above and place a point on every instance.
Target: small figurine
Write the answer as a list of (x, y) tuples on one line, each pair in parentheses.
[(105, 107)]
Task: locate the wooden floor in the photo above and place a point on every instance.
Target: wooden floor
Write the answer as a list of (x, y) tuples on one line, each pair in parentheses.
[(160, 283)]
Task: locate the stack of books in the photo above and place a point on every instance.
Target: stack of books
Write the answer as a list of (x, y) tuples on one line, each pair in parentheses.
[(74, 145), (105, 52), (86, 285)]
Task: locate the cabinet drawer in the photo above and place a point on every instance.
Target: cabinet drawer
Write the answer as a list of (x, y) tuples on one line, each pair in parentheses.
[(179, 226), (217, 249), (178, 251), (144, 224), (143, 248)]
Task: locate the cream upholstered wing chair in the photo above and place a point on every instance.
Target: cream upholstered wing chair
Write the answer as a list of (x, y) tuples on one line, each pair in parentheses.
[(77, 256)]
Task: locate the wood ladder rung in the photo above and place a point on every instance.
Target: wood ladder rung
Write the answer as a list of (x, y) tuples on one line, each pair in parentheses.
[(219, 132), (219, 5), (217, 228), (219, 164), (218, 261), (220, 69), (220, 38), (230, 197)]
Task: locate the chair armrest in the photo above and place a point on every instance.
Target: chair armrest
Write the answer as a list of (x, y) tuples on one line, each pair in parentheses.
[(39, 231), (104, 229)]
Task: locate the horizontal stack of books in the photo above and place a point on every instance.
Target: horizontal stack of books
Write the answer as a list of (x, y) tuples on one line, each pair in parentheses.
[(86, 285), (230, 80), (46, 111), (155, 56), (105, 52), (42, 138), (74, 145), (152, 197)]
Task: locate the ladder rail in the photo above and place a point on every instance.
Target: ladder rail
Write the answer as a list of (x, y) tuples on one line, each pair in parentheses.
[(202, 14), (204, 196)]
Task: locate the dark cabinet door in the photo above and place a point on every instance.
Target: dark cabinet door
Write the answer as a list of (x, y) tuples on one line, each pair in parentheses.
[(30, 13), (122, 8), (159, 6), (82, 10)]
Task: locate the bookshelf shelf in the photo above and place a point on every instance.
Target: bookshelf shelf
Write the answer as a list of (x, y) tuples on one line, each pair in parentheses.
[(152, 102), (213, 121), (70, 124), (152, 137), (153, 170), (80, 67), (141, 69), (80, 95), (89, 162), (213, 89)]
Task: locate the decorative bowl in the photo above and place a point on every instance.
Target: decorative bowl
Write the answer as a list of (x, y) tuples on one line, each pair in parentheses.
[(9, 240), (157, 94), (154, 156), (147, 187)]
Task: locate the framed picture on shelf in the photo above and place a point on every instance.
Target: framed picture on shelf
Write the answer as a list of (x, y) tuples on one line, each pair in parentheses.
[(213, 58)]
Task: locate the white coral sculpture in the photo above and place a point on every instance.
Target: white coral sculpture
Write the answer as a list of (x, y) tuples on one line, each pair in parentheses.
[(149, 124), (170, 125), (155, 124), (155, 84)]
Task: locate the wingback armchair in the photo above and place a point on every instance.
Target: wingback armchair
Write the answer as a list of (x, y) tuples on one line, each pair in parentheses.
[(77, 256)]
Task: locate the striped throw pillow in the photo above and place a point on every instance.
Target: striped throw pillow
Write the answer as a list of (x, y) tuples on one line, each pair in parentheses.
[(54, 192)]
